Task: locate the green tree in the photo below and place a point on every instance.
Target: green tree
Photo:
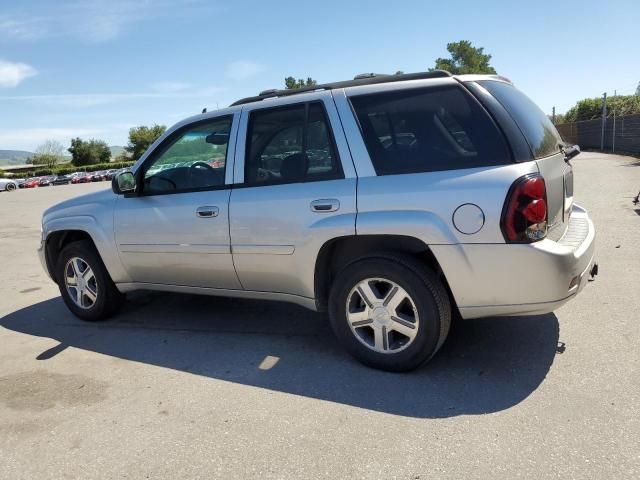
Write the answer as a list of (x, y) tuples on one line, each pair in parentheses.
[(122, 157), (48, 154), (465, 58), (89, 152), (291, 82), (591, 108), (559, 119), (141, 138)]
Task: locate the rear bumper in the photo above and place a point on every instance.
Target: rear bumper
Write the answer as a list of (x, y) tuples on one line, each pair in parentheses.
[(515, 279)]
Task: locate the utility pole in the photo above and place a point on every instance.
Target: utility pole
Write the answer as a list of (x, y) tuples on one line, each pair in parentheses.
[(613, 139), (604, 119), (553, 115)]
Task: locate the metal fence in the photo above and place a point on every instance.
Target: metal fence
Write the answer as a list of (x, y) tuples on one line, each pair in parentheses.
[(621, 134)]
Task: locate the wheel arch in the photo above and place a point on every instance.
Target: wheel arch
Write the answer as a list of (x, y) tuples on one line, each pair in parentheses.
[(59, 239), (336, 253), (59, 232)]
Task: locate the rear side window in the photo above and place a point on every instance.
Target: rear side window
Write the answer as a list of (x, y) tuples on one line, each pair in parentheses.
[(542, 136), (426, 130), (289, 145)]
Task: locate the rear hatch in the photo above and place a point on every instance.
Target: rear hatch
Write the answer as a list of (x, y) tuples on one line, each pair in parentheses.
[(546, 147)]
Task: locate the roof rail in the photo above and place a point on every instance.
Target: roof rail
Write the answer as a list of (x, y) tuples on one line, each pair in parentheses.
[(369, 75), (362, 79)]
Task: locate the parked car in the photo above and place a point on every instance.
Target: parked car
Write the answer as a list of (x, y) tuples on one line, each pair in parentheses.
[(46, 181), (8, 184), (99, 176), (32, 182), (81, 178), (109, 174), (62, 180), (429, 196)]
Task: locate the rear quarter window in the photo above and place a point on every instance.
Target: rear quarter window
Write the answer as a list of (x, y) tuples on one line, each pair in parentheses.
[(428, 129), (541, 135)]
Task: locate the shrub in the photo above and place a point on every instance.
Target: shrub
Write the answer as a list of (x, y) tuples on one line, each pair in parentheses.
[(591, 108)]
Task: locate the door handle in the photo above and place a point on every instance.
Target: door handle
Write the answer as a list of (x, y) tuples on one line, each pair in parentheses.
[(325, 205), (207, 211)]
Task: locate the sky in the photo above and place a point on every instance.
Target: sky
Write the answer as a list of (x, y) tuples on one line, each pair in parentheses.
[(95, 68)]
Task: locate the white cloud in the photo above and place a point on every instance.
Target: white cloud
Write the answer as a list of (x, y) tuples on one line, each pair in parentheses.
[(93, 21), (17, 28), (86, 100), (12, 74), (30, 138), (243, 69), (170, 87)]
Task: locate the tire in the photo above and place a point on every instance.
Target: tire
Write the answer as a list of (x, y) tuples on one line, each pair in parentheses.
[(10, 187), (424, 314), (95, 283)]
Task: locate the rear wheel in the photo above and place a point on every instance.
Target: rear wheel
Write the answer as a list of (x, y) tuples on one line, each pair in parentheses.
[(390, 312), (10, 187), (84, 283)]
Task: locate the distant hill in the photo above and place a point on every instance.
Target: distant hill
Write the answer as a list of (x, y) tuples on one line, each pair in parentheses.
[(116, 150), (19, 157), (14, 157)]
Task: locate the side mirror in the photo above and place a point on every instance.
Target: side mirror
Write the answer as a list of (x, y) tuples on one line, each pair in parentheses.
[(570, 152), (123, 182)]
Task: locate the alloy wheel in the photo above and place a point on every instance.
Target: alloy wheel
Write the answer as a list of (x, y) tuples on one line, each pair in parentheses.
[(382, 315), (81, 283)]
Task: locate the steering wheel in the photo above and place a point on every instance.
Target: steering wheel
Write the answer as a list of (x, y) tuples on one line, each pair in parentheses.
[(194, 167), (200, 164)]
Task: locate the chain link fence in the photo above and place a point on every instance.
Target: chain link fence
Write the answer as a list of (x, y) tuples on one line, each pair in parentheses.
[(621, 135)]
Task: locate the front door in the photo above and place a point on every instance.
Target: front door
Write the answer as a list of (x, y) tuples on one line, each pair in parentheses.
[(175, 231)]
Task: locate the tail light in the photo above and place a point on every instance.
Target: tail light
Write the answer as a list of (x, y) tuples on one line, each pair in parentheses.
[(524, 216)]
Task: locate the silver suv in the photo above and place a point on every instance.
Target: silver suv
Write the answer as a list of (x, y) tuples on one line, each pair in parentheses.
[(393, 202)]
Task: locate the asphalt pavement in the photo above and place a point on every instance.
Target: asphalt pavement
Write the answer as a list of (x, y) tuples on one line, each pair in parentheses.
[(183, 386)]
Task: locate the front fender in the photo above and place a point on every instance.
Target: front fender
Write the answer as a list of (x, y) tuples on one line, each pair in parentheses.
[(101, 237)]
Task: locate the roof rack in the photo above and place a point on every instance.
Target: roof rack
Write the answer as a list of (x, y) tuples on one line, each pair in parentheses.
[(362, 79)]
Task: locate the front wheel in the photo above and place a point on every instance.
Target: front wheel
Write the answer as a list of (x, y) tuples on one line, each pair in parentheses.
[(85, 284), (10, 187), (390, 312)]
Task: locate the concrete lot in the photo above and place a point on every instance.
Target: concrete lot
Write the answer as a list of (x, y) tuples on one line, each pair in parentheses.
[(186, 386)]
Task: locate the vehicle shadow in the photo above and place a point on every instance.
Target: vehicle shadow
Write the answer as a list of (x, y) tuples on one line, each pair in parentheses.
[(486, 365), (635, 163)]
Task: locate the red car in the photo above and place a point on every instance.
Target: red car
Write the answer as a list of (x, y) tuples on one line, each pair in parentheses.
[(82, 178), (31, 182)]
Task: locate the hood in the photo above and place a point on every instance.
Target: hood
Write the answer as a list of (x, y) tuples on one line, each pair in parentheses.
[(90, 204)]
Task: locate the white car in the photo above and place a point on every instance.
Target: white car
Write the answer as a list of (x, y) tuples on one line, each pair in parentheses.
[(8, 185)]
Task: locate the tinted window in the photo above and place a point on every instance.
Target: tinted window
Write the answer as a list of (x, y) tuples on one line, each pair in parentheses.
[(290, 144), (425, 130), (542, 136), (194, 158)]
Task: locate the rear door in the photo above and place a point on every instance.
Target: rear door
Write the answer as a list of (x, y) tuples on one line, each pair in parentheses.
[(545, 142), (294, 189)]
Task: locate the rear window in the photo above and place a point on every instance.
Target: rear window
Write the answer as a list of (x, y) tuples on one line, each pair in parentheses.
[(542, 136), (428, 129)]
